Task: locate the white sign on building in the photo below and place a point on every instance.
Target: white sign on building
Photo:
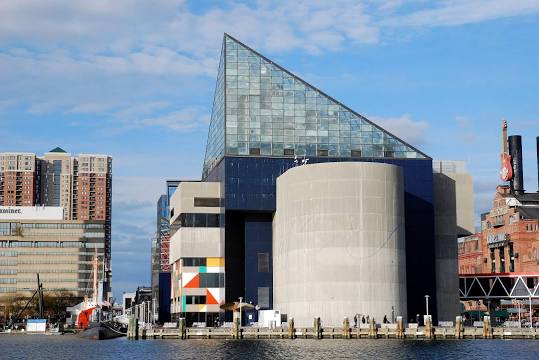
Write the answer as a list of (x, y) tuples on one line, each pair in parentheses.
[(31, 213)]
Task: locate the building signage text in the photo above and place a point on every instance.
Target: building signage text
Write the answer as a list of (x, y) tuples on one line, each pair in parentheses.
[(496, 240), (499, 211), (31, 213)]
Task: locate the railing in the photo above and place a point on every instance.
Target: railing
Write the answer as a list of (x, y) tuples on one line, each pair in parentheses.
[(446, 330), (145, 313)]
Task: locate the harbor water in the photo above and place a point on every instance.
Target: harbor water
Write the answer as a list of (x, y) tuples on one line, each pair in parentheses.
[(74, 348)]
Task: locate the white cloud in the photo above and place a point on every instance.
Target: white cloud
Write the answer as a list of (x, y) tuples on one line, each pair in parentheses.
[(460, 12), (184, 120), (88, 55), (412, 131)]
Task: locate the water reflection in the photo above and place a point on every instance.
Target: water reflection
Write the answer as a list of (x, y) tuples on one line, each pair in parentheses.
[(71, 347)]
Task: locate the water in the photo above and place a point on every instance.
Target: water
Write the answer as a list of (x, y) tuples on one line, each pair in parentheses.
[(74, 348)]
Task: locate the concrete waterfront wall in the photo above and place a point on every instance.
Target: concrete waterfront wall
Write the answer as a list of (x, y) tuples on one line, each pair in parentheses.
[(339, 242), (445, 238), (453, 217)]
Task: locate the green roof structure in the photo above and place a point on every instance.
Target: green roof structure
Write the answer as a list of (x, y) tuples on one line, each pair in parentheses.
[(58, 150)]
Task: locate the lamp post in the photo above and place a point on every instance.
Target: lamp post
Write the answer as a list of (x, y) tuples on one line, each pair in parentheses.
[(241, 300), (427, 303), (519, 322), (531, 319)]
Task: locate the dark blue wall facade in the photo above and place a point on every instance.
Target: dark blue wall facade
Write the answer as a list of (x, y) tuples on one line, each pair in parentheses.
[(258, 238), (164, 297), (249, 184)]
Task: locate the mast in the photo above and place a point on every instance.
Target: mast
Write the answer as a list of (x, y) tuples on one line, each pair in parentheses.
[(40, 296), (94, 270)]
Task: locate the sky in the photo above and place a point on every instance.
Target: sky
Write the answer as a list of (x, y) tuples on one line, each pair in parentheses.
[(135, 79)]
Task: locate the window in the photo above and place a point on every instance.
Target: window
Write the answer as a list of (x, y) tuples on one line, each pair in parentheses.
[(511, 258), (322, 152), (207, 202), (263, 297), (8, 272), (211, 280), (263, 262), (195, 299), (288, 151), (356, 153), (199, 220), (194, 261)]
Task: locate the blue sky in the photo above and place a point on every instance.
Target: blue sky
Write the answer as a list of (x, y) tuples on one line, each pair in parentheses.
[(135, 80)]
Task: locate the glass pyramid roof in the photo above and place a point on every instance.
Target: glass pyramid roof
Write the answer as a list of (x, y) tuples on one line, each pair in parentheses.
[(261, 109)]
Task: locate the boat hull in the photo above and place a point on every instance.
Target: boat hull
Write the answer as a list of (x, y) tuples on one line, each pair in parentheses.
[(101, 331)]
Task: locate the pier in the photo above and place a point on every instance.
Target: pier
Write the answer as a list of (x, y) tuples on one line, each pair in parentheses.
[(372, 330)]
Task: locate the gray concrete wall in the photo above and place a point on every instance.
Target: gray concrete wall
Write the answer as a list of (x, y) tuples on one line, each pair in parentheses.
[(464, 203), (339, 242), (446, 251)]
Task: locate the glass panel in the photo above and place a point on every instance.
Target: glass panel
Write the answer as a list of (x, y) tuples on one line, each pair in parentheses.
[(259, 92)]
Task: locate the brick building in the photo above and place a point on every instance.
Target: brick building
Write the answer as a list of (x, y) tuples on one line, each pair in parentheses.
[(509, 237), (18, 179)]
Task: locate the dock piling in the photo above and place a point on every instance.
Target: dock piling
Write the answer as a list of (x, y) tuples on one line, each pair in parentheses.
[(459, 328), (373, 329), (346, 329), (291, 330), (400, 328)]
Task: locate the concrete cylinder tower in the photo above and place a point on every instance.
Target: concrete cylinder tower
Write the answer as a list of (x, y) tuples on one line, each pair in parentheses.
[(339, 242)]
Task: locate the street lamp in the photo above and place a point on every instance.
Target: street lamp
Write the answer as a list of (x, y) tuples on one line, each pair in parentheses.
[(241, 300), (519, 302), (531, 319), (427, 303)]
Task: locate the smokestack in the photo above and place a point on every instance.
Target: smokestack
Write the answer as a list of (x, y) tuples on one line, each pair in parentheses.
[(515, 150), (537, 139)]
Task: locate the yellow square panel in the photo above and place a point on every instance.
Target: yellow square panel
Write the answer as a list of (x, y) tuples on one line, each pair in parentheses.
[(215, 262)]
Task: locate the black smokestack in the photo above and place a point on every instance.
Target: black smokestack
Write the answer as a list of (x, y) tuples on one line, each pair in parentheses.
[(537, 139), (515, 150)]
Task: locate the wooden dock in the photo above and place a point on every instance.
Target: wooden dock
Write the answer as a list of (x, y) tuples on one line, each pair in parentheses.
[(364, 331)]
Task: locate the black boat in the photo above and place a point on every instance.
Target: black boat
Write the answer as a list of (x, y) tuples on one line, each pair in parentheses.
[(103, 330)]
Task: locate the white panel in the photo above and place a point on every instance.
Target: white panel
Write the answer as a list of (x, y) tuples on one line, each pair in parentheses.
[(31, 213)]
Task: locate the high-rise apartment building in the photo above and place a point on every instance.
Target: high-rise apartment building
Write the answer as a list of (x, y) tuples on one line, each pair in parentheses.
[(57, 180), (92, 191), (81, 185), (18, 179)]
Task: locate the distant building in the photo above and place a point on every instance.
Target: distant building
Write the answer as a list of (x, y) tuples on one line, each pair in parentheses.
[(143, 294), (509, 237), (81, 185), (19, 180), (39, 240), (499, 266), (160, 254), (471, 259), (128, 300)]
